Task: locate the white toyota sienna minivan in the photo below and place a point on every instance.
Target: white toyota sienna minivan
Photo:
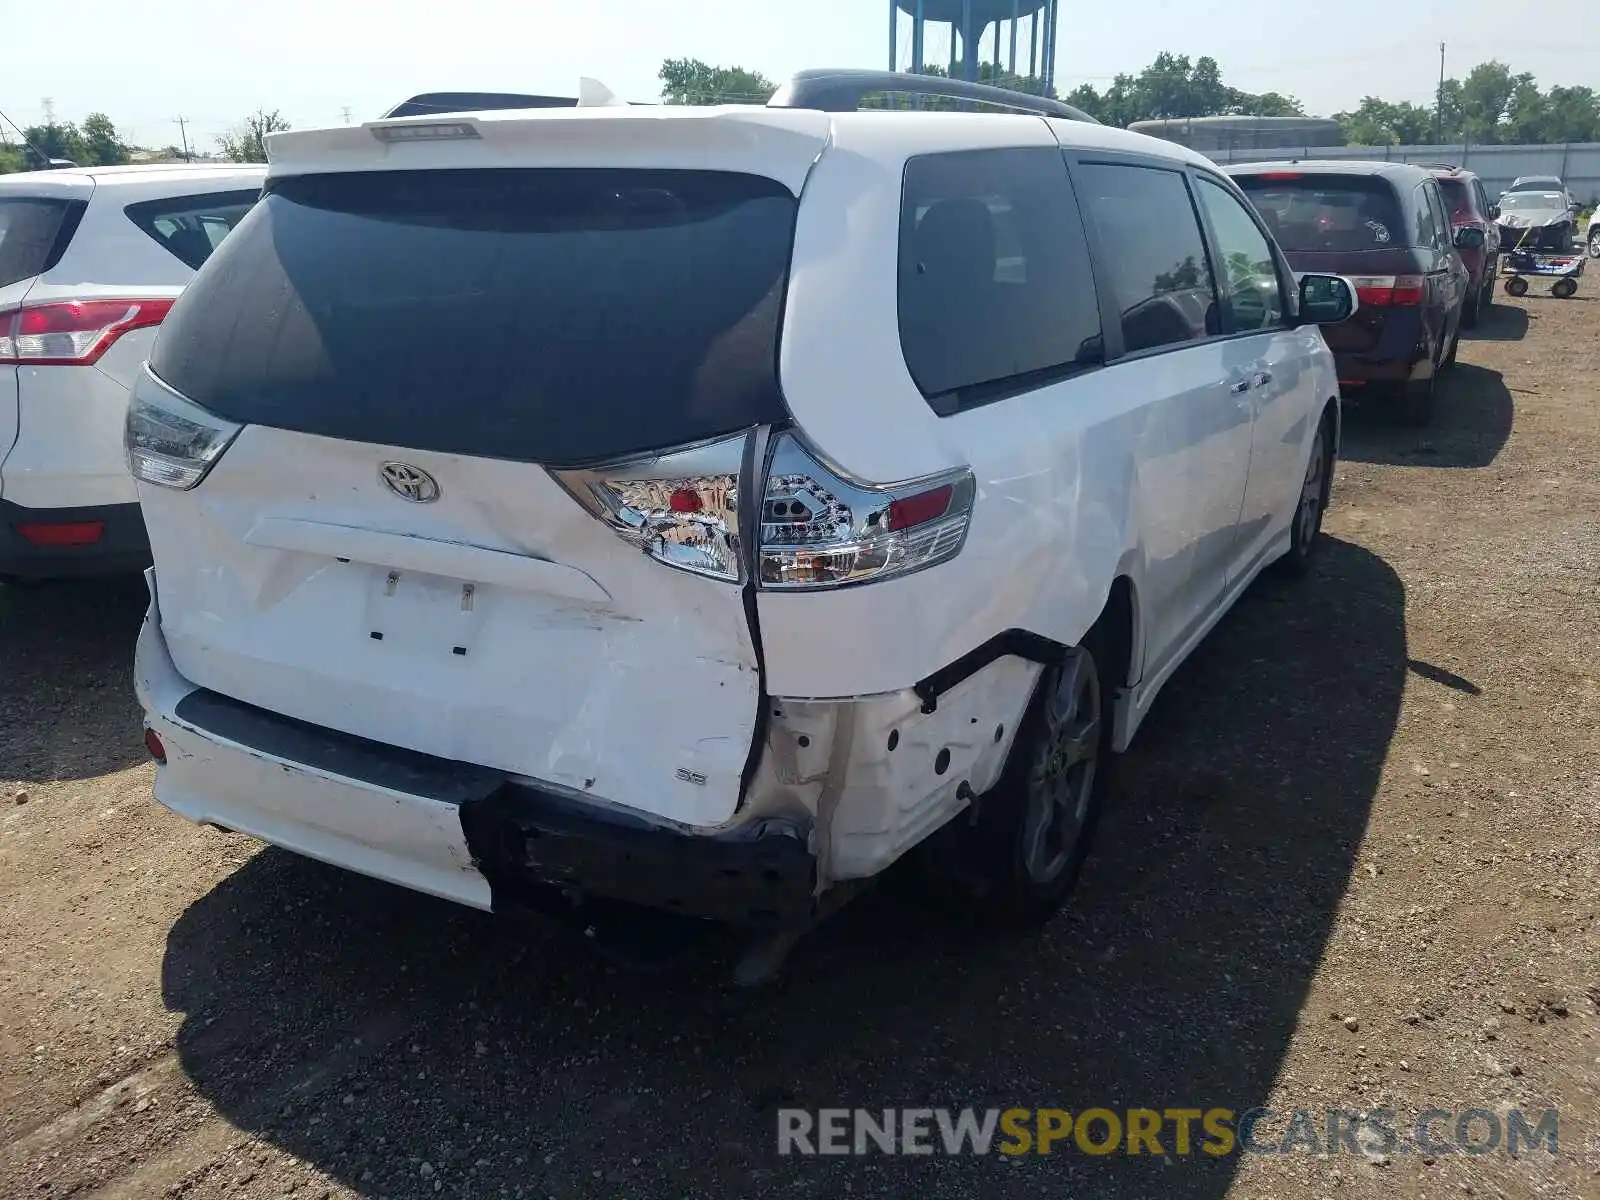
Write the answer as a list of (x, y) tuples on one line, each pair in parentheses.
[(702, 507)]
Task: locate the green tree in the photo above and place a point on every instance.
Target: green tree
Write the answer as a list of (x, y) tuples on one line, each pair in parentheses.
[(101, 144), (1571, 114), (1174, 87), (57, 140), (1377, 122), (690, 81), (12, 159), (1485, 97), (248, 143)]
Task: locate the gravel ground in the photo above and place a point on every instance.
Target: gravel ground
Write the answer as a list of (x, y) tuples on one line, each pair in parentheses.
[(1352, 863)]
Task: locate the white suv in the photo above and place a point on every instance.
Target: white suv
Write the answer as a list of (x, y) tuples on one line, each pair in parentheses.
[(702, 507), (90, 261)]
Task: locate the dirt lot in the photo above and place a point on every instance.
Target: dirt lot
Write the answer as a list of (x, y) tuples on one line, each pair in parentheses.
[(1354, 863)]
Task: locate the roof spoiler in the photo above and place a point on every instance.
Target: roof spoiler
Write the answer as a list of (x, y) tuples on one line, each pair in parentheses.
[(843, 91), (591, 94)]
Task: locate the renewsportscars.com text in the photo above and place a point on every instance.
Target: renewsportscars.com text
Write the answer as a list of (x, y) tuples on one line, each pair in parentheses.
[(1180, 1132)]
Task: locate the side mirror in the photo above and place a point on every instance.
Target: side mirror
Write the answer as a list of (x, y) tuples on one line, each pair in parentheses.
[(1326, 299), (1469, 239)]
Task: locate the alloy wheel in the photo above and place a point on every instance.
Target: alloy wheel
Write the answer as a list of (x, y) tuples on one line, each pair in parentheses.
[(1060, 784)]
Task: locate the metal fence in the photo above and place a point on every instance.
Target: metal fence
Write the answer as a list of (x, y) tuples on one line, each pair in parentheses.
[(1578, 164)]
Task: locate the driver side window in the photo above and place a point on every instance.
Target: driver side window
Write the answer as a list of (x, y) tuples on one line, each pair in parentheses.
[(1247, 272)]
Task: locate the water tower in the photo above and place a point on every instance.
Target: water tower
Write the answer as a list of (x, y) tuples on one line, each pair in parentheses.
[(969, 23)]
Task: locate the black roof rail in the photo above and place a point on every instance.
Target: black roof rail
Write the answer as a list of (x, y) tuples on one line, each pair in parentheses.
[(1440, 166), (843, 90), (433, 103)]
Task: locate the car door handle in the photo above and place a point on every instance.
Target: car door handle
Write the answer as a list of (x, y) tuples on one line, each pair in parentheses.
[(1261, 379), (1240, 388)]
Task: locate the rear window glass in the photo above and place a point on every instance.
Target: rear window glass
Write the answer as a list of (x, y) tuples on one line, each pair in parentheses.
[(33, 234), (1531, 201), (554, 316), (995, 284), (191, 227), (1327, 213)]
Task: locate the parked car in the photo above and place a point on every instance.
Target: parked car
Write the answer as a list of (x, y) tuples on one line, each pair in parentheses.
[(702, 507), (1541, 183), (1538, 221), (1470, 208), (1592, 234), (90, 261), (1386, 227)]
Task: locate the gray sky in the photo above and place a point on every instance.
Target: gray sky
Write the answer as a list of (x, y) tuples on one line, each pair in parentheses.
[(213, 62)]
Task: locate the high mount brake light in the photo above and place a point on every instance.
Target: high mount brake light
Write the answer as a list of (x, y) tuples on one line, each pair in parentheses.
[(73, 333), (817, 528), (171, 442)]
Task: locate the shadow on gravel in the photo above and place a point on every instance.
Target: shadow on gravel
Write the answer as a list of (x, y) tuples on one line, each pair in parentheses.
[(1471, 423), (503, 1058), (66, 678), (1500, 323)]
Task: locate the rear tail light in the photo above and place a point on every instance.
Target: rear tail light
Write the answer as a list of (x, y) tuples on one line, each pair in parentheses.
[(61, 533), (171, 442), (818, 528), (1389, 291), (153, 743), (73, 333), (679, 508)]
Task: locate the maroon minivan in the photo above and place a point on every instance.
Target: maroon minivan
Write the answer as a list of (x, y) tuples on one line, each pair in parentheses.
[(1386, 228)]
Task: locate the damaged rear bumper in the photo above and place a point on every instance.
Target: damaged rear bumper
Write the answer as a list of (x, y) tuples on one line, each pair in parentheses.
[(842, 789), (453, 830)]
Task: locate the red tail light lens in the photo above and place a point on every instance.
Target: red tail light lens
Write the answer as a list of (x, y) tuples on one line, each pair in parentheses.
[(66, 533), (1390, 291), (1408, 290), (153, 743), (73, 333)]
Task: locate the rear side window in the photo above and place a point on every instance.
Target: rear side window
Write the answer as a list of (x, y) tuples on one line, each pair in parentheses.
[(1458, 198), (554, 316), (1441, 216), (995, 284), (34, 234), (1328, 213), (191, 227), (1154, 253), (1426, 229)]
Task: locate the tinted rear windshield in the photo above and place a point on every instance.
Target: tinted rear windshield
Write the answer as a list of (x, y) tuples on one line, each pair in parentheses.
[(31, 235), (554, 316), (1328, 213)]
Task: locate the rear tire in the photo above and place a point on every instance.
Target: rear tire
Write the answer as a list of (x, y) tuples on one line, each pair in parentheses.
[(1449, 359), (1021, 857), (1469, 311), (1594, 244), (1516, 286), (1564, 289)]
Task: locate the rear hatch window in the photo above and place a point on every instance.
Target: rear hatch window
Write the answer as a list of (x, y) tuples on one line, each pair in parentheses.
[(554, 316), (34, 234), (1327, 213)]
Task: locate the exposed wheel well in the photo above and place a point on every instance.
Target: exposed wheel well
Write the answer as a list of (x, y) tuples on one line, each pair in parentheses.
[(1114, 630)]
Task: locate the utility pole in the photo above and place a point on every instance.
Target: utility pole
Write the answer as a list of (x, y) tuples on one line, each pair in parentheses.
[(183, 132), (49, 107), (346, 111), (1438, 103)]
